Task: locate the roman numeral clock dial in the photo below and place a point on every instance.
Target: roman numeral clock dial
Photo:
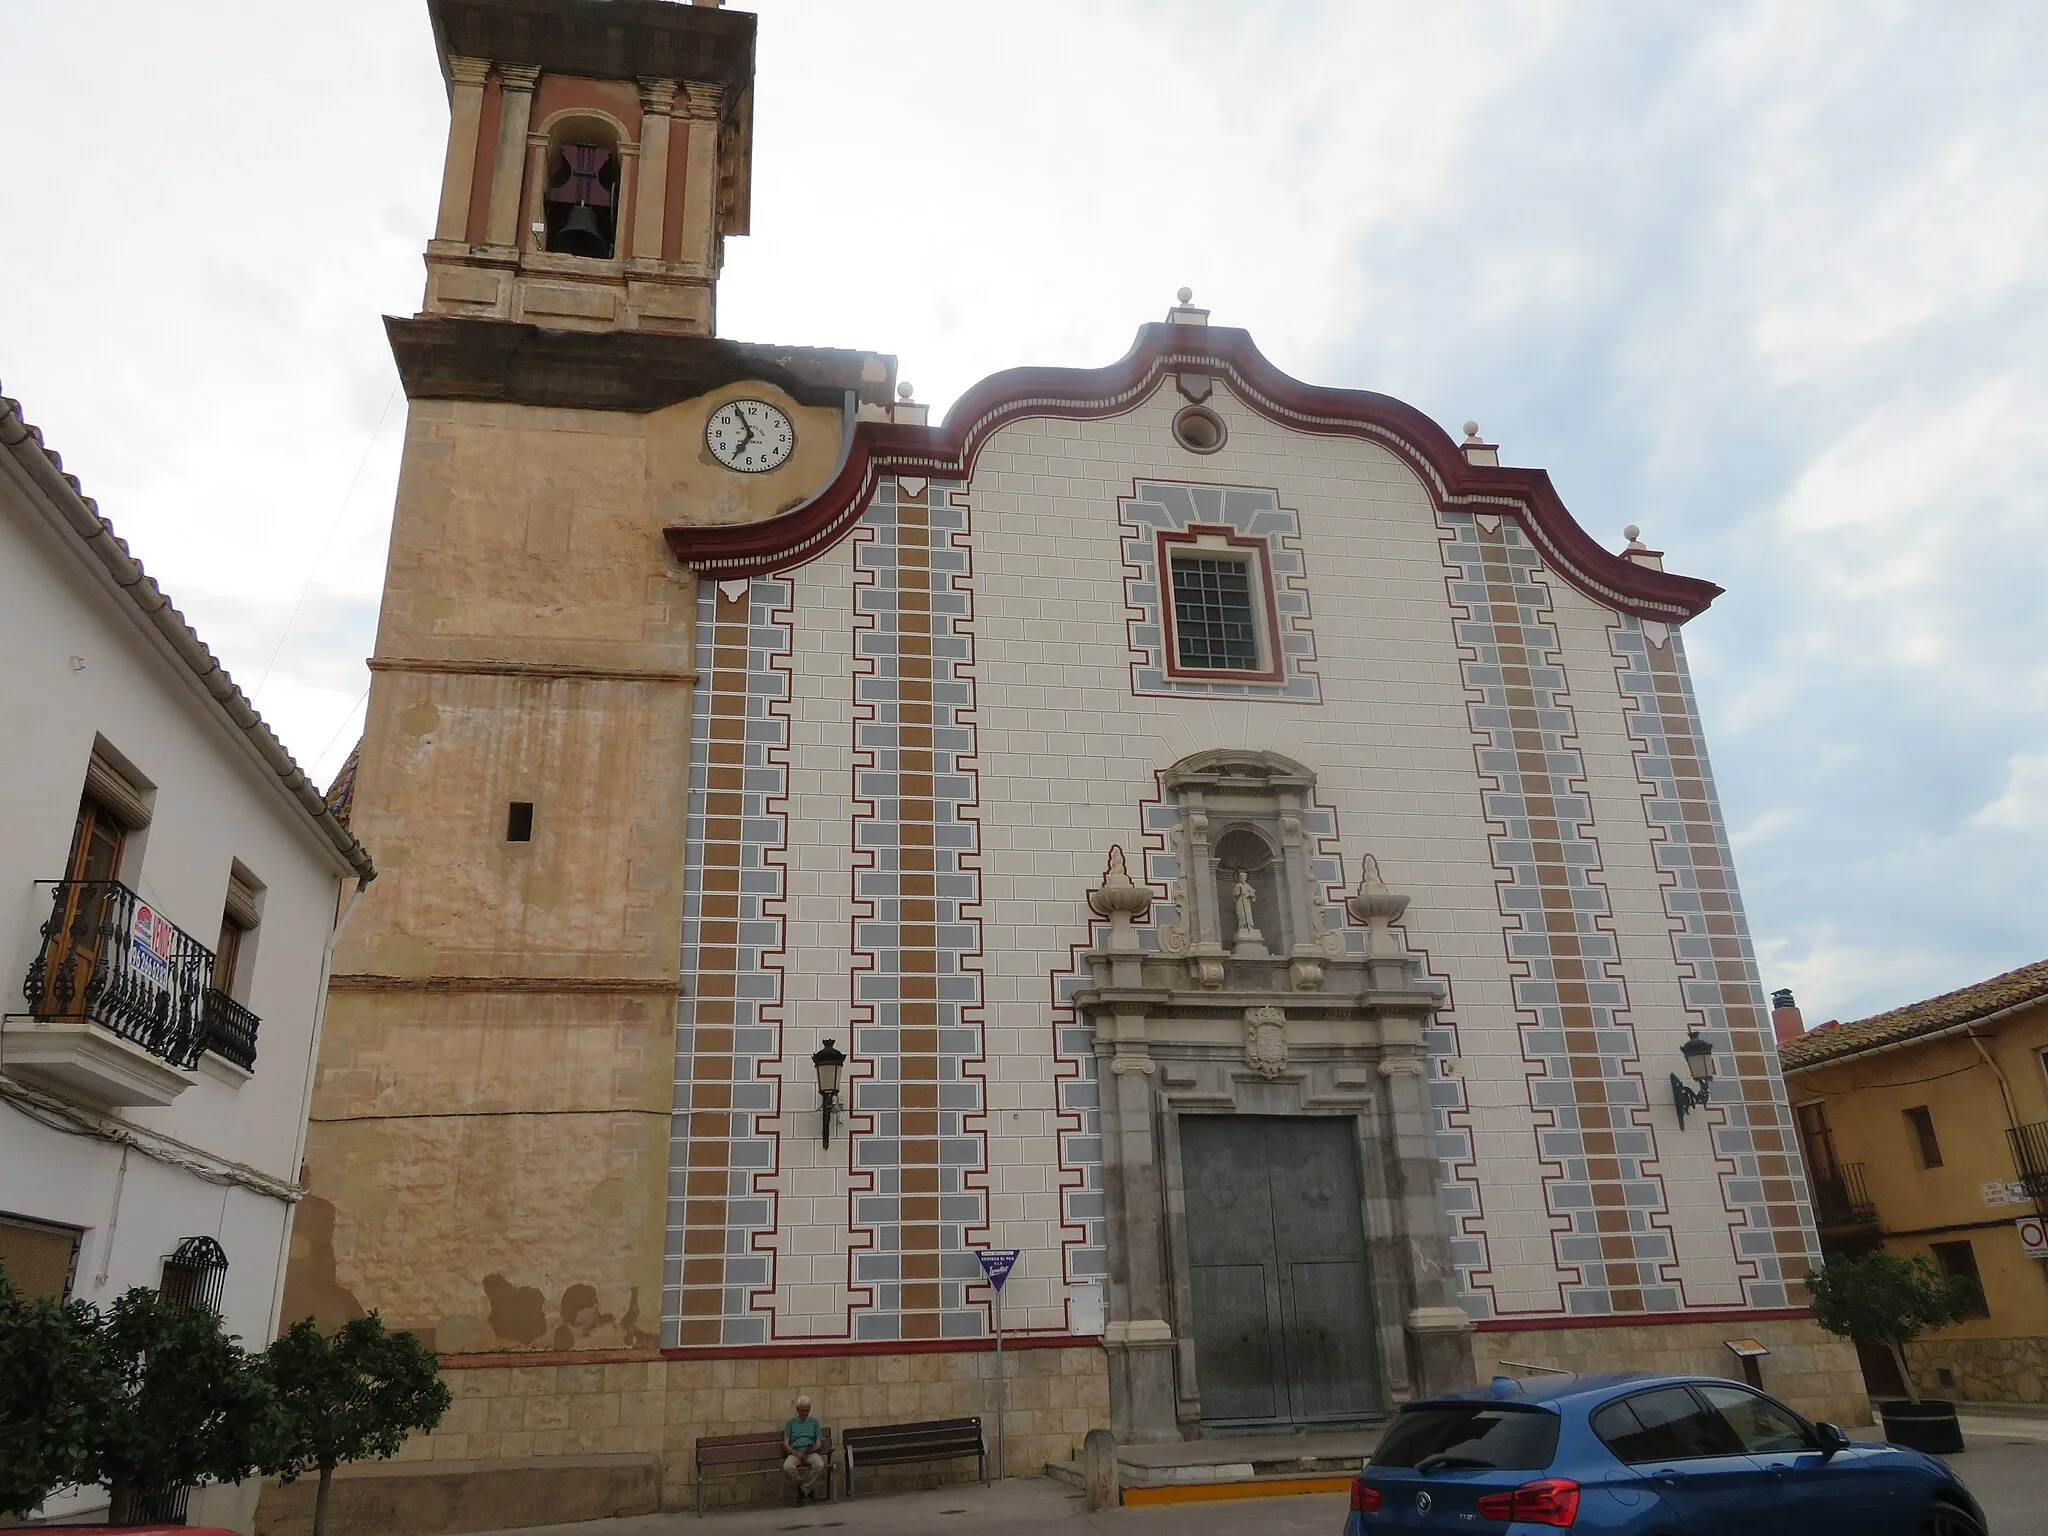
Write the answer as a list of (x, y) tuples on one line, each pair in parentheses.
[(750, 436)]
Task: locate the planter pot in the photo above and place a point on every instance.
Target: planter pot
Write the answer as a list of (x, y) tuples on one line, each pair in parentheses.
[(1928, 1425)]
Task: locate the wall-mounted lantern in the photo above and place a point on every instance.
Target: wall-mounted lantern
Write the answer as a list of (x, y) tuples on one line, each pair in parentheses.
[(829, 1061), (1699, 1061)]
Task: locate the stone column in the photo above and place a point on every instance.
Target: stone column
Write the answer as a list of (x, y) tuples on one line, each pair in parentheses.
[(1439, 1332), (458, 171), (1139, 1340), (536, 179), (657, 100), (703, 103), (515, 115)]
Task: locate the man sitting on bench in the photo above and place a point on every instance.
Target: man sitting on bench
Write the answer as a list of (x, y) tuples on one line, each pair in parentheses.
[(801, 1460)]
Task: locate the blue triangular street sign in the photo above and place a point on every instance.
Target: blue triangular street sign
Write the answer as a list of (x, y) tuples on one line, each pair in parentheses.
[(996, 1263)]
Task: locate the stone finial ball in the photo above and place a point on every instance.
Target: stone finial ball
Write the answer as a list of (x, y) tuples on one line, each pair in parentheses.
[(1631, 532), (904, 391), (1185, 294)]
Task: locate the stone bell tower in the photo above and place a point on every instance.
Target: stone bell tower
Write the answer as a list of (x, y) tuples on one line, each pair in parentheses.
[(598, 156), (496, 1119)]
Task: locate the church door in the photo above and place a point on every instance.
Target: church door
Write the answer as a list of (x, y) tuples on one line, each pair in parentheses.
[(1276, 1264)]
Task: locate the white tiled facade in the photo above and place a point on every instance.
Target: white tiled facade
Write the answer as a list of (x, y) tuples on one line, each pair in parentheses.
[(1462, 703)]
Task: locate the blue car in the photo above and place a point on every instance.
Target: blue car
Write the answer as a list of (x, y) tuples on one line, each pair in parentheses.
[(1638, 1455)]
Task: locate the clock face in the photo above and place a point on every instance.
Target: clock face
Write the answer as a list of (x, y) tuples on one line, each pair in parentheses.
[(750, 436)]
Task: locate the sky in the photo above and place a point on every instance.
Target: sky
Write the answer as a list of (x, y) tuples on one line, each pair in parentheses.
[(1765, 279)]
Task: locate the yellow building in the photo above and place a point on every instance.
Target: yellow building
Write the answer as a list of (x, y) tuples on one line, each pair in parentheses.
[(1925, 1131)]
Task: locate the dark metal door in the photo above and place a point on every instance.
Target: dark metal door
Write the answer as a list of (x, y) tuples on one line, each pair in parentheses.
[(1276, 1257)]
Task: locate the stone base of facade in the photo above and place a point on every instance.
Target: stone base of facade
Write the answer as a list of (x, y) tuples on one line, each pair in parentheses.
[(1981, 1370), (1813, 1371), (549, 1444)]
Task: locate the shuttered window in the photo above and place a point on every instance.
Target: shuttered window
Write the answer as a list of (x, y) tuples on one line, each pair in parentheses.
[(40, 1259)]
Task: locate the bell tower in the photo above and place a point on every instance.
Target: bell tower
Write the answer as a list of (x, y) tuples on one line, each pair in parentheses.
[(598, 156)]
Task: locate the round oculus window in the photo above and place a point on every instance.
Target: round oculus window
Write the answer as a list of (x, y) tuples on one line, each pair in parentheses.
[(1199, 429)]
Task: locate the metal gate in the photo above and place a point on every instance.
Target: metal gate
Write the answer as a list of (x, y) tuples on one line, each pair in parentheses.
[(1276, 1263)]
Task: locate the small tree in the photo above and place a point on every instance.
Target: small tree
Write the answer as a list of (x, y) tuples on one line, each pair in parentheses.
[(51, 1383), (181, 1401), (341, 1399), (1882, 1298)]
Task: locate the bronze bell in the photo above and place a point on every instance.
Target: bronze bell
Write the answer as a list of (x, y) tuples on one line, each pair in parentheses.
[(581, 235)]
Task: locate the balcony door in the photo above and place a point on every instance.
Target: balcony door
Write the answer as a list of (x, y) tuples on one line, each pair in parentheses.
[(78, 923)]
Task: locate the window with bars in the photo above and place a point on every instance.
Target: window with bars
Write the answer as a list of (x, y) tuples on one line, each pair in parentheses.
[(1215, 616), (195, 1274)]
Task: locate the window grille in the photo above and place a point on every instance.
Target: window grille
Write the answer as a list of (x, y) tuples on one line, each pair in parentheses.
[(195, 1274), (1215, 622)]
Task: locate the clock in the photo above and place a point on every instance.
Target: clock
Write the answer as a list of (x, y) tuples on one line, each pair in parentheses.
[(750, 436)]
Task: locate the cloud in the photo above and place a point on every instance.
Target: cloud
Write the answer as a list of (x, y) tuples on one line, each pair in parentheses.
[(1762, 279)]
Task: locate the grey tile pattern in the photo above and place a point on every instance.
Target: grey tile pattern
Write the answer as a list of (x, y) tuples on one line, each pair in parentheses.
[(921, 1172), (1163, 505), (1750, 1120), (717, 1279), (1588, 1090)]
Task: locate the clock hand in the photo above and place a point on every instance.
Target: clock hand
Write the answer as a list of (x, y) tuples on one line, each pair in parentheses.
[(748, 438)]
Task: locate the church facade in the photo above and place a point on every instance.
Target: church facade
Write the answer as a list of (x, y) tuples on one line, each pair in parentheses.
[(1255, 853)]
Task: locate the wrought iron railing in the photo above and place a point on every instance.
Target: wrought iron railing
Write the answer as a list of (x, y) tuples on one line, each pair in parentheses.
[(230, 1030), (110, 958), (2030, 1156), (1840, 1199)]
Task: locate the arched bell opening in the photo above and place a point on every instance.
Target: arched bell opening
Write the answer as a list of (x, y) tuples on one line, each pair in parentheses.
[(580, 205)]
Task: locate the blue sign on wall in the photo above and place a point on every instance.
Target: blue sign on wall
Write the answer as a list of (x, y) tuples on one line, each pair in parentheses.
[(997, 1263)]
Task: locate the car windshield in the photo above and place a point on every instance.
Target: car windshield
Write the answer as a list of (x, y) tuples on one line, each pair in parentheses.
[(1442, 1435)]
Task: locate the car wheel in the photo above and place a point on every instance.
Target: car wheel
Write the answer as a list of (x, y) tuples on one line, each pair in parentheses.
[(1945, 1519)]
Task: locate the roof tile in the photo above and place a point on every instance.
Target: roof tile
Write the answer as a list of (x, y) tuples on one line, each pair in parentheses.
[(1915, 1019)]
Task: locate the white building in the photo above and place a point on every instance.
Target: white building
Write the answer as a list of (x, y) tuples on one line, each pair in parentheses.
[(170, 884)]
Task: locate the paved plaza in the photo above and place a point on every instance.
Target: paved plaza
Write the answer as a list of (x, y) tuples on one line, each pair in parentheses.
[(2006, 1467)]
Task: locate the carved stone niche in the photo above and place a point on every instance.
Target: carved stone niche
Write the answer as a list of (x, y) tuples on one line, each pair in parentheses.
[(1298, 1017)]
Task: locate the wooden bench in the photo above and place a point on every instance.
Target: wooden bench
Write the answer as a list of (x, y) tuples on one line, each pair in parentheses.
[(730, 1457), (881, 1445)]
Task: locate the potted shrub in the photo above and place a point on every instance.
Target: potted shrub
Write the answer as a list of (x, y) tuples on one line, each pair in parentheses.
[(1887, 1300), (357, 1394)]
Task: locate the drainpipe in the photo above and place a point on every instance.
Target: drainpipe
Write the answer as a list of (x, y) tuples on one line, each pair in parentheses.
[(298, 1164)]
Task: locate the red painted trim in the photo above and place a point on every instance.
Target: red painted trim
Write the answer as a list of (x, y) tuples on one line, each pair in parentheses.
[(1262, 567), (948, 451), (828, 1349), (507, 1357), (1642, 1319)]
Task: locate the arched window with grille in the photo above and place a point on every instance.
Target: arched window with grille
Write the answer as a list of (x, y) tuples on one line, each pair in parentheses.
[(195, 1274)]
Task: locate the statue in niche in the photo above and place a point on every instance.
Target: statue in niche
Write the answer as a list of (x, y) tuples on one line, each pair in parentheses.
[(1247, 943), (1245, 893)]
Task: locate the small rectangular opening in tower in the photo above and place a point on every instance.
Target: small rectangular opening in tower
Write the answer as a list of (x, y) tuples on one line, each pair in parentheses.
[(519, 822)]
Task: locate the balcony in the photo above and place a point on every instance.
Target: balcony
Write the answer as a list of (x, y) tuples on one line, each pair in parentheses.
[(117, 1000), (1839, 1198), (2030, 1157), (229, 1030)]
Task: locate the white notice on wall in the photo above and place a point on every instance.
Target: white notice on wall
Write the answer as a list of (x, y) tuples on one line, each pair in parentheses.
[(2003, 1192), (1086, 1313)]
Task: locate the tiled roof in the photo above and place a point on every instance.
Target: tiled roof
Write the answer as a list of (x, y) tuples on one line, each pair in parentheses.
[(79, 516), (1915, 1019), (341, 794)]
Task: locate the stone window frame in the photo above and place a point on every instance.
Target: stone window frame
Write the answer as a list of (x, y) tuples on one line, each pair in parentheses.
[(1202, 541), (1156, 505)]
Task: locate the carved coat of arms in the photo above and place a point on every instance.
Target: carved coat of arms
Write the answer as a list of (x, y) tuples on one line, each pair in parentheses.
[(1265, 1041)]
